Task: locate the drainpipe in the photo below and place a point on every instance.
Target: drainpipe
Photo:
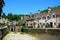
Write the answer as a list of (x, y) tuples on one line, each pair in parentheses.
[(56, 22)]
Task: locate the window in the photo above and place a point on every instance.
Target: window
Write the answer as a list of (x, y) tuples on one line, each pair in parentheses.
[(40, 23), (43, 23), (27, 24), (32, 15), (43, 17), (29, 16), (48, 17), (59, 25), (54, 23), (53, 16), (38, 18)]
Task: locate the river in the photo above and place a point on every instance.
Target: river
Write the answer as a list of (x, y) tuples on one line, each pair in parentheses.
[(26, 36)]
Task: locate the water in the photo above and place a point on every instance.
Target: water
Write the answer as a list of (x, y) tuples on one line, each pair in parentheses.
[(19, 36), (30, 36)]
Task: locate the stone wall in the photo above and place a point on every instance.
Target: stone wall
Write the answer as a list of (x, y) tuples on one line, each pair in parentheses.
[(55, 31), (2, 33), (58, 19)]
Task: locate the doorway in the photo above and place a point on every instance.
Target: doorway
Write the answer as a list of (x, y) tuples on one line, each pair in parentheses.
[(51, 24), (59, 25), (12, 29)]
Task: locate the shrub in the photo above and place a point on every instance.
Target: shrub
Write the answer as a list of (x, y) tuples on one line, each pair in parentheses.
[(7, 31), (22, 28), (23, 23)]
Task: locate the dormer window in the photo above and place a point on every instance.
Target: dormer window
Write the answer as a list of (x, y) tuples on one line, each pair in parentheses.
[(48, 17), (53, 16)]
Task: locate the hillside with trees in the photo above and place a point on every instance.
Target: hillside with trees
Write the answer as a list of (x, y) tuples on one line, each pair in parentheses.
[(53, 8), (12, 17)]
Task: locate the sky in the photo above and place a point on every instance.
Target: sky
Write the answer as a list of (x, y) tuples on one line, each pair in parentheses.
[(27, 6)]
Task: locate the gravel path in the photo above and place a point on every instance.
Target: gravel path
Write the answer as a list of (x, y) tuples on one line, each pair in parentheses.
[(18, 36)]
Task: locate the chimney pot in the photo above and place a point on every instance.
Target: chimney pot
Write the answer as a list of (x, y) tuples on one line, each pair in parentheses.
[(38, 11), (49, 9)]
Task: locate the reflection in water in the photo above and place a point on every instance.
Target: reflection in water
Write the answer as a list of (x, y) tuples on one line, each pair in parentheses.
[(46, 36)]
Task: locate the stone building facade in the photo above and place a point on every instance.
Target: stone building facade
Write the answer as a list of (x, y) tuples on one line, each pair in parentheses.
[(50, 19)]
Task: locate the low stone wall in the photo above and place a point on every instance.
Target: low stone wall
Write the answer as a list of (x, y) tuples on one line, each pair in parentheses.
[(2, 33), (55, 31)]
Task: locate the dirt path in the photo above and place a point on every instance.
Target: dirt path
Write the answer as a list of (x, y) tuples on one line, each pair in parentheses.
[(18, 36)]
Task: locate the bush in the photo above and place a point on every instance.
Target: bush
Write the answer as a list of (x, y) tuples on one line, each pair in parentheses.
[(22, 29), (23, 23), (7, 31)]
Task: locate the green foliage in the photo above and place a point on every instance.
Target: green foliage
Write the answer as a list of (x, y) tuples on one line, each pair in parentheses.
[(22, 28), (7, 31), (23, 23), (46, 10), (2, 24), (1, 6), (53, 8), (12, 17), (3, 15)]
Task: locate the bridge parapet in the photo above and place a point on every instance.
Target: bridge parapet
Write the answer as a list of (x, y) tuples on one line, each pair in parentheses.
[(2, 32)]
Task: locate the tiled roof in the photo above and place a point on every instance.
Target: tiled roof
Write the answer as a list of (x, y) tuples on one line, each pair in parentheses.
[(39, 15)]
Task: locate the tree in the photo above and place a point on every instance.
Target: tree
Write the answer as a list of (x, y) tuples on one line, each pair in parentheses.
[(1, 6), (4, 14), (9, 14)]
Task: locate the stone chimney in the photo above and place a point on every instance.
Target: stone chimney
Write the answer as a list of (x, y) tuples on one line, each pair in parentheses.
[(38, 11), (30, 13), (49, 9)]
